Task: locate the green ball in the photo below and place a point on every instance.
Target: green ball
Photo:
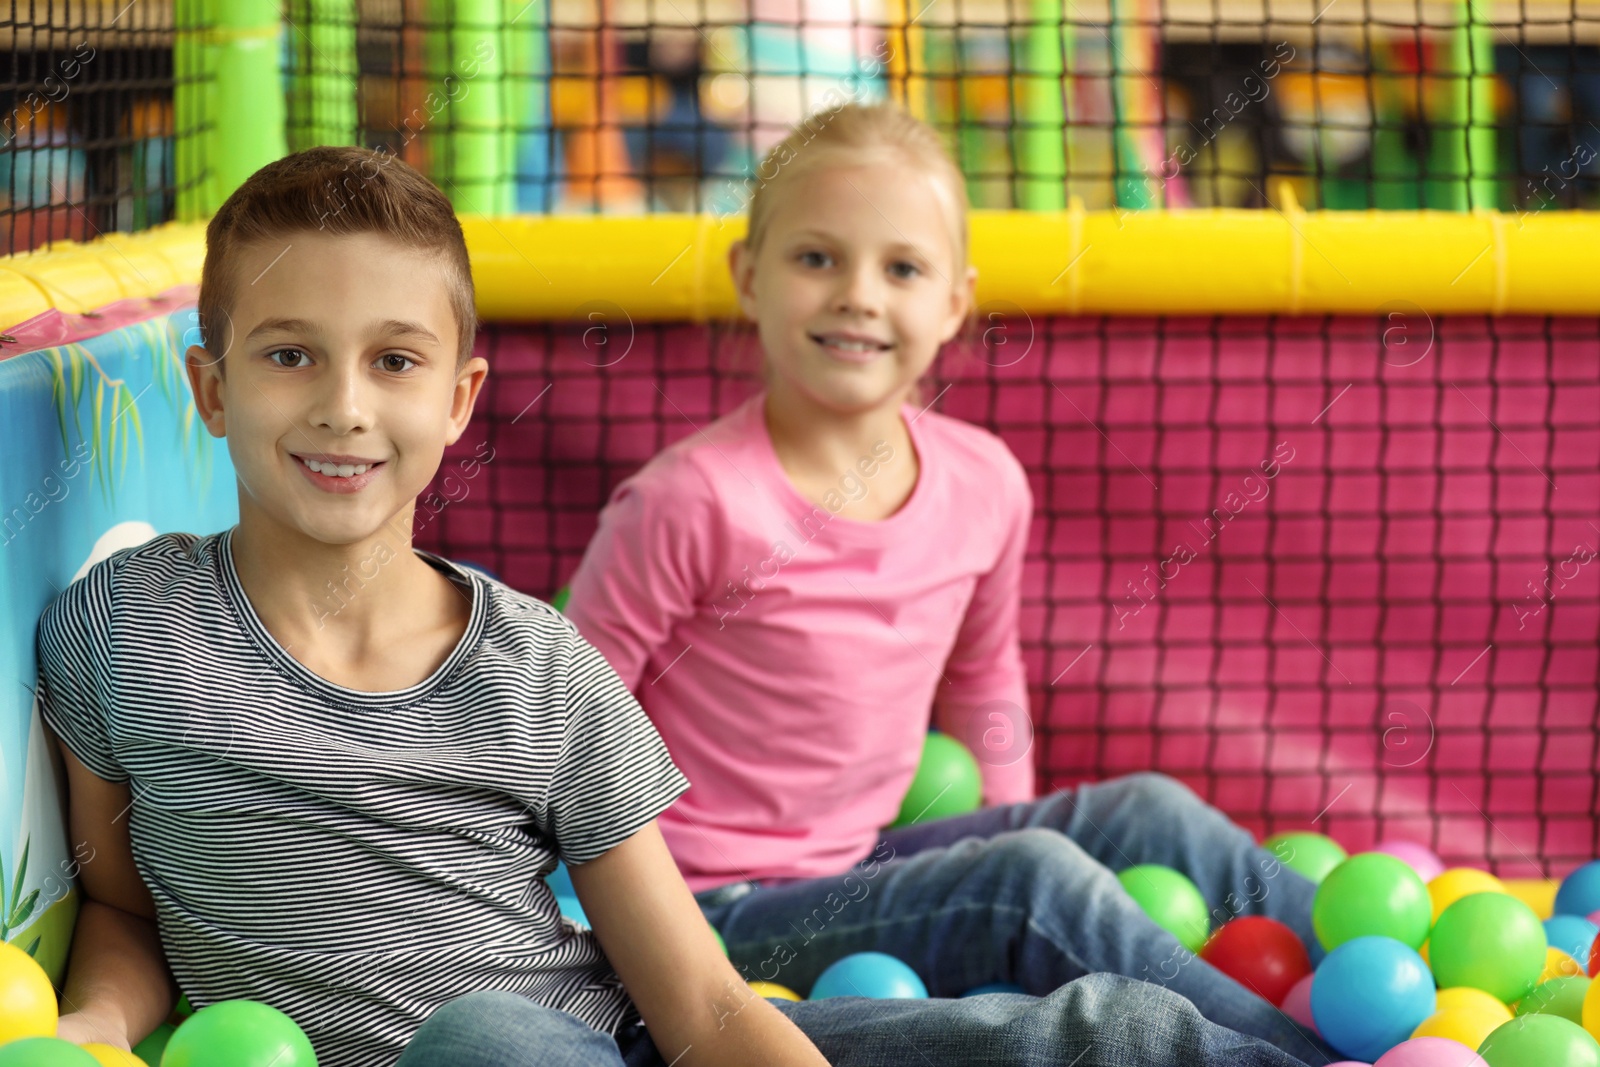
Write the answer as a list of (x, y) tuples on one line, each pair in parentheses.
[(239, 1033), (1171, 900), (183, 1009), (1540, 1041), (151, 1048), (1558, 996), (44, 1052), (723, 945), (559, 601), (947, 783), (1307, 853), (1372, 894), (1489, 941)]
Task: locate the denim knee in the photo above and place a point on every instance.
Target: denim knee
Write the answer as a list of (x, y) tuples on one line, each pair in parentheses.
[(1154, 791), (494, 1028), (1046, 861)]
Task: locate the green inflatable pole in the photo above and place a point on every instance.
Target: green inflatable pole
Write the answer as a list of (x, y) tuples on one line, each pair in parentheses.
[(246, 94), (1041, 148)]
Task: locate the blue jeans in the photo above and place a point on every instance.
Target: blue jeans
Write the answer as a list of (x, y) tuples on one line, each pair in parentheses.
[(1027, 894), (1102, 1020)]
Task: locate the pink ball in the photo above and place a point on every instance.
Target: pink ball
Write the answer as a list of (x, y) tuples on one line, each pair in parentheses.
[(1594, 916), (1297, 1004), (1420, 857), (1430, 1052)]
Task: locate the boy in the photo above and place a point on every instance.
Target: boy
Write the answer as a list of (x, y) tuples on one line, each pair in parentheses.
[(344, 805)]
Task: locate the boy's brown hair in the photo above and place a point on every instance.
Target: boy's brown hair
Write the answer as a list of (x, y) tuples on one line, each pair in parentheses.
[(334, 190)]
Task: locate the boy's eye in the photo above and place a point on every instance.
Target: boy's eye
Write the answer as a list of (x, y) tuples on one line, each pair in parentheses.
[(402, 359), (289, 351)]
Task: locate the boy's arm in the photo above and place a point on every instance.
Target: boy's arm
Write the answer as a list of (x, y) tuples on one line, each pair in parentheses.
[(692, 1000), (118, 987), (985, 704)]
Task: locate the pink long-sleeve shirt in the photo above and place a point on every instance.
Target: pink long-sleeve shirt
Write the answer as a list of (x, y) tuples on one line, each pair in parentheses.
[(790, 657)]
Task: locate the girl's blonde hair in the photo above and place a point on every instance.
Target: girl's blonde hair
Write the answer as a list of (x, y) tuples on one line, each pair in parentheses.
[(853, 134)]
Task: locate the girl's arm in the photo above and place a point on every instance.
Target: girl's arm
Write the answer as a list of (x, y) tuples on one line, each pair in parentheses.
[(986, 663), (692, 1000), (649, 559), (118, 987)]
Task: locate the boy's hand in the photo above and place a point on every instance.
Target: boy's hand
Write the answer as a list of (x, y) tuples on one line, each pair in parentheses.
[(83, 1027)]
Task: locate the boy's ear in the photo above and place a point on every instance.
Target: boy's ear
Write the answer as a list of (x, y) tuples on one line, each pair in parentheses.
[(205, 381)]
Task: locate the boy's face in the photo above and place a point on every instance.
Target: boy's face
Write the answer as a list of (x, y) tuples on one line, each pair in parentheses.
[(342, 348), (855, 286)]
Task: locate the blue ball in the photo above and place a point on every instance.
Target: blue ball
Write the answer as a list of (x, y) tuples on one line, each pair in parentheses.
[(480, 568), (995, 987), (572, 909), (869, 974), (1580, 891), (1369, 994), (1571, 935), (560, 881)]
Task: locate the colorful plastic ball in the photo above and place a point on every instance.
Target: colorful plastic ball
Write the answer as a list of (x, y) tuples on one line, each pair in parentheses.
[(480, 568), (723, 945), (948, 782), (151, 1049), (868, 974), (27, 999), (1419, 858), (1297, 1003), (109, 1056), (1260, 954), (1465, 1026), (1453, 998), (1369, 994), (1458, 882), (994, 987), (44, 1052), (1558, 964), (1591, 1009), (572, 909), (1310, 854), (560, 881), (1580, 891), (559, 601), (239, 1033), (1491, 942), (774, 991), (1559, 996), (1540, 1041), (1571, 934), (1371, 894), (1172, 901), (1430, 1052), (183, 1009), (1594, 958)]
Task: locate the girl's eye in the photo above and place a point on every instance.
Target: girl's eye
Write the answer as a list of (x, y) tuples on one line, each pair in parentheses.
[(403, 359), (282, 351), (911, 270), (809, 258)]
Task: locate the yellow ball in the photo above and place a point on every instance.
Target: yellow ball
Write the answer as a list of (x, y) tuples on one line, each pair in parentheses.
[(27, 999), (773, 989), (1466, 1026), (1558, 964), (108, 1056), (1463, 997), (1459, 882), (1591, 1010)]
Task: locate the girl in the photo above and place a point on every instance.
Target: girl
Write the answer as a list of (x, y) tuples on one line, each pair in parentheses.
[(790, 590)]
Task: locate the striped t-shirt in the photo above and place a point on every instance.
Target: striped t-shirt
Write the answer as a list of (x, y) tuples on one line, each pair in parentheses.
[(354, 859)]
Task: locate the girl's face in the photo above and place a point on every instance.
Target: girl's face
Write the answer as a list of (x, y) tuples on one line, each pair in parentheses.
[(854, 287)]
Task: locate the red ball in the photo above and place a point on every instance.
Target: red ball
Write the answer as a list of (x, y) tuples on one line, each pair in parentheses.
[(1594, 958), (1260, 954)]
